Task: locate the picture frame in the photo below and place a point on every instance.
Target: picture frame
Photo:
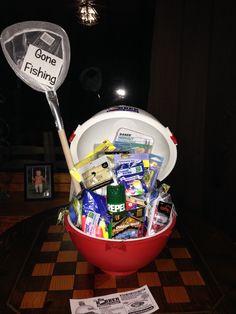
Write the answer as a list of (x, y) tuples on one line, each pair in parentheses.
[(38, 181)]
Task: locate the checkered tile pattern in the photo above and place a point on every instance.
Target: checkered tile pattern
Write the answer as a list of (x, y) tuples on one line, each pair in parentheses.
[(55, 272)]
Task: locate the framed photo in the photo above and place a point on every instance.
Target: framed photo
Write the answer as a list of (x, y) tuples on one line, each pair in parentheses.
[(38, 181)]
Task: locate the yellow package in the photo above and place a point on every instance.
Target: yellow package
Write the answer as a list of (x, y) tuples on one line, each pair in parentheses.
[(105, 146)]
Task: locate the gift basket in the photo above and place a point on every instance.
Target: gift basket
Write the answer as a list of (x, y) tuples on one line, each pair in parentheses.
[(124, 215)]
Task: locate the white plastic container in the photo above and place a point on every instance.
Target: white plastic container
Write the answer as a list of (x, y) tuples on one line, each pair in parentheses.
[(106, 123)]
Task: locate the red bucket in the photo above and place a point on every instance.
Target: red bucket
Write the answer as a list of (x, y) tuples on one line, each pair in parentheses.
[(119, 257)]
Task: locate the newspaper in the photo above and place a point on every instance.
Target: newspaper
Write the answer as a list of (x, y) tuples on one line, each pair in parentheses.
[(136, 301)]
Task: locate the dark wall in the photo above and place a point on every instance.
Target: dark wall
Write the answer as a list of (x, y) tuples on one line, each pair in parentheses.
[(220, 166), (192, 90), (119, 46)]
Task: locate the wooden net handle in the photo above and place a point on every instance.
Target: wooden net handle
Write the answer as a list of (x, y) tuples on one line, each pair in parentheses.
[(68, 157)]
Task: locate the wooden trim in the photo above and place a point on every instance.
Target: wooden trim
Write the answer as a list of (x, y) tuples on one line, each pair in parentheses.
[(14, 182)]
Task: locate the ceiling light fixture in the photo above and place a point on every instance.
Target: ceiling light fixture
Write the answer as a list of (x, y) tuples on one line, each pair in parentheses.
[(121, 92), (87, 13)]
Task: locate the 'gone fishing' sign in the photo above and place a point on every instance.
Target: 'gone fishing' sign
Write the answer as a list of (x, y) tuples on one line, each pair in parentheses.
[(41, 65)]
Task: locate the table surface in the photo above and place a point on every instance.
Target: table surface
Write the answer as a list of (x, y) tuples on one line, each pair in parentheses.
[(41, 270)]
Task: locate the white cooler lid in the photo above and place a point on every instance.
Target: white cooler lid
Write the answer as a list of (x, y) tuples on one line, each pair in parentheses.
[(105, 124)]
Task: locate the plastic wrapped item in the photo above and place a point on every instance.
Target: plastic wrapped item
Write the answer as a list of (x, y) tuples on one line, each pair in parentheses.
[(160, 209), (152, 171), (96, 174), (75, 211), (128, 227), (133, 141), (96, 169), (131, 175), (133, 202), (94, 213)]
